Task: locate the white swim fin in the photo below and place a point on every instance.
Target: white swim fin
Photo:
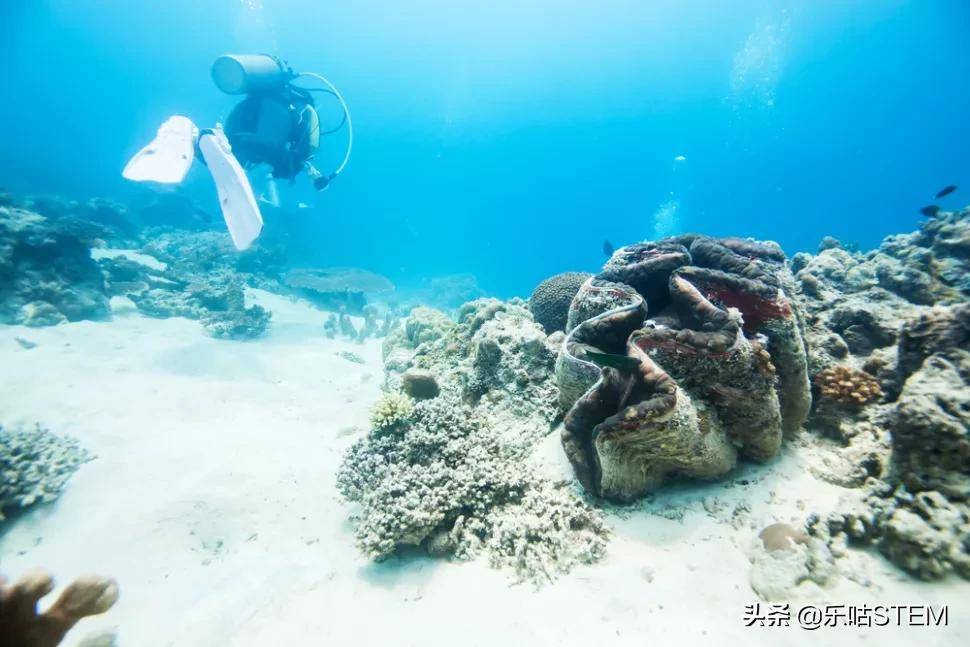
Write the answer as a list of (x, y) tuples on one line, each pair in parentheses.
[(236, 198), (168, 157)]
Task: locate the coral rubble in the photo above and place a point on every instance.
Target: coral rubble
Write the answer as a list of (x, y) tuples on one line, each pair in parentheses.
[(704, 363)]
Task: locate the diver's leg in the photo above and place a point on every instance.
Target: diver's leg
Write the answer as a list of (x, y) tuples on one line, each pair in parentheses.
[(269, 192), (239, 208)]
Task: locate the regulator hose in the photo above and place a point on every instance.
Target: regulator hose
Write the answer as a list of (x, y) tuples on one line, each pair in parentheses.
[(331, 89)]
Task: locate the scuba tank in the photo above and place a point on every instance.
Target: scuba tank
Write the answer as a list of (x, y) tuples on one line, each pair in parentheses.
[(260, 132), (248, 73)]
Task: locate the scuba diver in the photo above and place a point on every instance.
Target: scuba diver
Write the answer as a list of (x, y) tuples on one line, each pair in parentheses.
[(276, 125)]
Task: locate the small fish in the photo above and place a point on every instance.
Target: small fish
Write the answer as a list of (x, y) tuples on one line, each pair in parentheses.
[(930, 211), (608, 248), (947, 190), (619, 362)]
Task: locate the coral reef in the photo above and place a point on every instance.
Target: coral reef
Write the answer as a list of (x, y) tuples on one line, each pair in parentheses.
[(680, 356), (456, 474), (495, 358), (900, 314), (441, 477), (550, 300), (22, 625), (216, 298), (338, 288), (35, 465), (47, 275)]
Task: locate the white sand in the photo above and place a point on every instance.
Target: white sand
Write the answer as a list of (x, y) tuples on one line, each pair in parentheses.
[(212, 501)]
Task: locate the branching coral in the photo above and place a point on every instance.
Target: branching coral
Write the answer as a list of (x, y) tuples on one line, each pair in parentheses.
[(393, 408), (22, 625), (444, 479), (847, 386), (35, 466)]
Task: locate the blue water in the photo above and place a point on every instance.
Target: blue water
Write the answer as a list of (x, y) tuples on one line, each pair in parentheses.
[(508, 138)]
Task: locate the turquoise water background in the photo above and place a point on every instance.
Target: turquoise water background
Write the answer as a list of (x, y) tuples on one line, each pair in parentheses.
[(508, 138)]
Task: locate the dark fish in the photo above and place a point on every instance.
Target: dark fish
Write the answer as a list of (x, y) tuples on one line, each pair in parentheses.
[(930, 211), (947, 190), (619, 362), (608, 248)]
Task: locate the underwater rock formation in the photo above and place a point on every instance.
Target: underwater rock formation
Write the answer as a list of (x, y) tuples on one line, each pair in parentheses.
[(35, 466), (438, 475), (215, 298), (901, 314), (454, 472), (682, 355), (47, 275), (23, 625), (206, 253), (495, 358), (786, 562), (550, 300)]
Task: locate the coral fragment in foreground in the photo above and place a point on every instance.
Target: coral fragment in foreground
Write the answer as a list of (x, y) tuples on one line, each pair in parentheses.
[(21, 625)]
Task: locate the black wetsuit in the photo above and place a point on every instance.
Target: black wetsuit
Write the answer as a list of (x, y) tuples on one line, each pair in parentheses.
[(279, 128)]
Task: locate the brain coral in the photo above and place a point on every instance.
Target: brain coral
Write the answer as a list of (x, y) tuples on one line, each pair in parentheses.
[(550, 300), (717, 371)]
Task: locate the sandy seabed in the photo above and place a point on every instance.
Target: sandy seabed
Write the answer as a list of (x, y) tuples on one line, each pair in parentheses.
[(212, 501)]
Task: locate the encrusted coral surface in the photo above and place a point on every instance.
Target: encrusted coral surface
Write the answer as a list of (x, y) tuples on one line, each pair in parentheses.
[(455, 475), (216, 297), (712, 364), (494, 357), (900, 313)]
